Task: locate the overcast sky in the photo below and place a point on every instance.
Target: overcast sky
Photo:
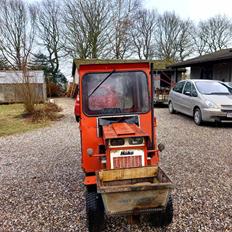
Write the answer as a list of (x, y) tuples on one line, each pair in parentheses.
[(193, 9)]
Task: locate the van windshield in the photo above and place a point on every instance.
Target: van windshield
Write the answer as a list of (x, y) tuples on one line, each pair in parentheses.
[(120, 93), (211, 88)]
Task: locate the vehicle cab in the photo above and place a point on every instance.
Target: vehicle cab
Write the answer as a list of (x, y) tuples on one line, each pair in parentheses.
[(115, 107)]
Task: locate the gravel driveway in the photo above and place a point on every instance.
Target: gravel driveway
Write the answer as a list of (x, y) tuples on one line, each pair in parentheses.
[(41, 179)]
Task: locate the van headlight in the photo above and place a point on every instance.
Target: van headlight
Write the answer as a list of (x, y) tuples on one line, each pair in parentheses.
[(210, 104), (136, 140)]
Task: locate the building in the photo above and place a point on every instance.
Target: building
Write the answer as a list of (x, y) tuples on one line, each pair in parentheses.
[(12, 85), (213, 66)]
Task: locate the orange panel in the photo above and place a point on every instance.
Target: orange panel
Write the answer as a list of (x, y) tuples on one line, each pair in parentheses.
[(90, 180), (122, 130)]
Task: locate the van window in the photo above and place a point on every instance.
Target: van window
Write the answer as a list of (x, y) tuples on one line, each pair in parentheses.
[(179, 87), (187, 88), (194, 91)]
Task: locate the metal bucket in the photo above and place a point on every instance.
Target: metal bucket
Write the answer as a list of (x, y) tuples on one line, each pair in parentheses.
[(132, 191)]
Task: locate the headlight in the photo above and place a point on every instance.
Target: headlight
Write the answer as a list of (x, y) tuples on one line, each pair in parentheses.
[(136, 141), (117, 142), (210, 104)]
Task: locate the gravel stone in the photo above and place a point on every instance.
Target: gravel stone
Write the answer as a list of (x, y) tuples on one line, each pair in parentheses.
[(41, 178)]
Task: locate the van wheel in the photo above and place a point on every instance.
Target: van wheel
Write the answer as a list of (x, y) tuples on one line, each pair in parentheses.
[(163, 218), (171, 108), (197, 117), (95, 211)]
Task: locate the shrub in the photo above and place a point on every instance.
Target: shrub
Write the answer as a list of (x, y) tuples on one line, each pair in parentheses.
[(48, 112), (54, 90)]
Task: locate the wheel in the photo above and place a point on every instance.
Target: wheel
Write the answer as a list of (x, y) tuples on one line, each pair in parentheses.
[(171, 108), (94, 211), (163, 218), (197, 117), (168, 213)]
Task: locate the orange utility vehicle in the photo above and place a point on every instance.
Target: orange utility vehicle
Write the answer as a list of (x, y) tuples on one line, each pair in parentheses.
[(119, 148)]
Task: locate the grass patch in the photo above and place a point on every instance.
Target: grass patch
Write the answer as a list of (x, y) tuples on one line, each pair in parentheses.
[(14, 120)]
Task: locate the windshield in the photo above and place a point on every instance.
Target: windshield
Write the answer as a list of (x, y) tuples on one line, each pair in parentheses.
[(229, 84), (115, 93), (211, 87)]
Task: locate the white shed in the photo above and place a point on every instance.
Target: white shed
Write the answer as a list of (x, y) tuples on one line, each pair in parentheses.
[(11, 85)]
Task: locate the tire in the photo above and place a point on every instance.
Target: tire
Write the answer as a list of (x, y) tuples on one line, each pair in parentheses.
[(171, 108), (168, 213), (163, 218), (94, 211), (197, 116)]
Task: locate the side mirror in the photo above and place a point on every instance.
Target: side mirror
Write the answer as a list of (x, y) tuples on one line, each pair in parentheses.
[(187, 93)]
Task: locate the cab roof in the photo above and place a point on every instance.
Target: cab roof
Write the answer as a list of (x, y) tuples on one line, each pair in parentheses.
[(158, 64)]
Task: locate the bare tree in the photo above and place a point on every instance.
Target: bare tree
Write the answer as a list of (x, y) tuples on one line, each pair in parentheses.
[(200, 43), (17, 32), (75, 31), (97, 15), (3, 63), (17, 35), (213, 34), (143, 33), (87, 22), (173, 37), (185, 44), (120, 38), (49, 23)]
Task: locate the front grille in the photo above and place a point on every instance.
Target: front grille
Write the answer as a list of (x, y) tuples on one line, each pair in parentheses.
[(226, 108), (222, 119), (127, 161)]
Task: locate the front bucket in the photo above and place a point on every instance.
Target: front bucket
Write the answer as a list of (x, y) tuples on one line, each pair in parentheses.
[(133, 190)]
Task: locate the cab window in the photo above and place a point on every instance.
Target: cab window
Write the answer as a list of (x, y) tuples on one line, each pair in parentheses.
[(115, 93)]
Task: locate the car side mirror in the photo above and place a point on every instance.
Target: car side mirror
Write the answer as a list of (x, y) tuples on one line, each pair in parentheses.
[(187, 93)]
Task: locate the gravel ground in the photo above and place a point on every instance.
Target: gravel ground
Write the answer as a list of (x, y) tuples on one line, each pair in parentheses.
[(41, 179)]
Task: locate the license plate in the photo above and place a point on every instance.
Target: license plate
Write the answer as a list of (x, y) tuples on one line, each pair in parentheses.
[(229, 115)]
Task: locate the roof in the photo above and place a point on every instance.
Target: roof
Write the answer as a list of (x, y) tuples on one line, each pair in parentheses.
[(15, 77), (158, 64), (222, 55), (200, 80)]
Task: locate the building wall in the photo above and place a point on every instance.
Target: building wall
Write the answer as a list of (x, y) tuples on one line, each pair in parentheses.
[(12, 82), (13, 93), (2, 98), (222, 71), (195, 72)]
